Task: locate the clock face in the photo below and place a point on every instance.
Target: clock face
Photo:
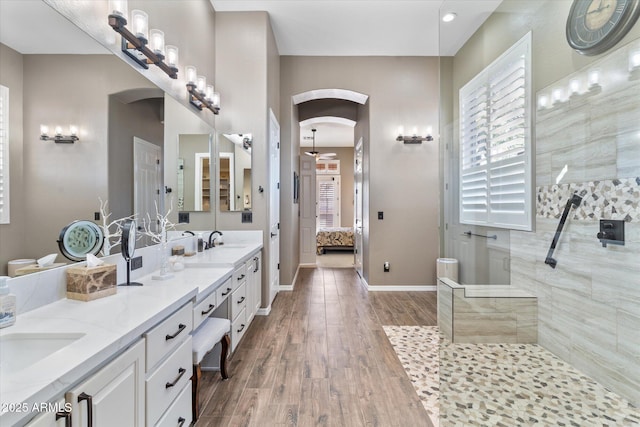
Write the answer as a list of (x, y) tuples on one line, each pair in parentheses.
[(595, 26)]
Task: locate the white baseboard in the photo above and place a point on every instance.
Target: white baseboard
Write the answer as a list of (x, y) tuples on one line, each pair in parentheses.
[(293, 282), (390, 288), (309, 265), (263, 311)]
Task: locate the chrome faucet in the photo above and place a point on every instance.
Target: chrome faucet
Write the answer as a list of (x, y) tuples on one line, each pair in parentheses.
[(212, 242)]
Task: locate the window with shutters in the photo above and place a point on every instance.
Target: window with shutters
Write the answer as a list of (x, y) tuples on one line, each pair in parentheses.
[(4, 155), (495, 142), (328, 201)]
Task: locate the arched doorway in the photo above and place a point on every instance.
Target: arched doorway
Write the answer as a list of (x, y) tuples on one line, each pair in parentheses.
[(341, 120)]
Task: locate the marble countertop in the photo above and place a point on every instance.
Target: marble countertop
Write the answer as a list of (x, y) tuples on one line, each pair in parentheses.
[(109, 325), (230, 255)]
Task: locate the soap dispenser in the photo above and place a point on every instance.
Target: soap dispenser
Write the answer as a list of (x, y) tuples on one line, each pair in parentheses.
[(7, 304)]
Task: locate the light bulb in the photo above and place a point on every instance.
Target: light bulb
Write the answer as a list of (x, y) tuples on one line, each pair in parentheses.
[(543, 101), (429, 130), (202, 84), (58, 130), (557, 95), (156, 41), (594, 78), (448, 17), (191, 73), (172, 55), (634, 60), (73, 130), (118, 7), (574, 86), (140, 24), (216, 100), (44, 129), (209, 93)]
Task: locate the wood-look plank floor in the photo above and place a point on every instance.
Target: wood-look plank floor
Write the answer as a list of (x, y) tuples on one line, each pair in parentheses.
[(321, 358)]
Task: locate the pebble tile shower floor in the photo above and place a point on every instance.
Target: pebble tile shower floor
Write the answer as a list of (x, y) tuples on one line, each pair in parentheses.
[(502, 384)]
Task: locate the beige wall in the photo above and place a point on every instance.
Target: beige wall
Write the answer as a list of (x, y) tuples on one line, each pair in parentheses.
[(12, 243), (245, 58), (63, 181), (403, 179), (583, 305)]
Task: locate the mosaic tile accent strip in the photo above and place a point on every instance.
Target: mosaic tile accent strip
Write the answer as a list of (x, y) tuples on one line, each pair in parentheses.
[(417, 349), (522, 384), (606, 199)]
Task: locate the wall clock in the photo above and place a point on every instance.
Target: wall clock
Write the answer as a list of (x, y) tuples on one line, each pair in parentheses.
[(594, 26)]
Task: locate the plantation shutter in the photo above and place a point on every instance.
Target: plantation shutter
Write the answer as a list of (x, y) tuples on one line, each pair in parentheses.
[(495, 143), (328, 202), (4, 155)]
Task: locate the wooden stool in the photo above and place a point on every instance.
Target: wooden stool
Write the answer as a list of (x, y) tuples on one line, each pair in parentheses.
[(212, 331)]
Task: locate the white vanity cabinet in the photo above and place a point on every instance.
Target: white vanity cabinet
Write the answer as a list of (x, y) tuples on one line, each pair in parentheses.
[(58, 418), (169, 367), (254, 286), (238, 305), (114, 396)]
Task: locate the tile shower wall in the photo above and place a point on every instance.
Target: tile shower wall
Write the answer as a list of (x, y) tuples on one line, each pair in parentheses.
[(589, 143)]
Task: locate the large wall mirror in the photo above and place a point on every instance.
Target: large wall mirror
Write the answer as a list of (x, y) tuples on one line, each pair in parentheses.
[(116, 105), (234, 177), (194, 172)]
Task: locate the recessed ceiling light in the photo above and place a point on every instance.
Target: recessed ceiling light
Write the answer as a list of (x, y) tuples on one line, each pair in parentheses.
[(448, 17)]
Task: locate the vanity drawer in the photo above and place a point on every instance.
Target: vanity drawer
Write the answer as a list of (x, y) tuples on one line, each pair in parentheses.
[(164, 385), (239, 276), (238, 300), (224, 291), (238, 328), (179, 413), (203, 309), (168, 335)]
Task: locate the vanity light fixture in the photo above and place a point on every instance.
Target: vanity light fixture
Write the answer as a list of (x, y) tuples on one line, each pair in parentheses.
[(415, 138), (59, 137), (201, 95), (143, 46)]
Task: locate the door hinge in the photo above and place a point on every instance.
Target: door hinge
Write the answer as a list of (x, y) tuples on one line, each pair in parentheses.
[(157, 161), (278, 226), (157, 191), (278, 266), (278, 145), (278, 186)]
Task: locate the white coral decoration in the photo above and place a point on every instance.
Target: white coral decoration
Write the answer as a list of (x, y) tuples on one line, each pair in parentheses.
[(116, 224), (163, 222)]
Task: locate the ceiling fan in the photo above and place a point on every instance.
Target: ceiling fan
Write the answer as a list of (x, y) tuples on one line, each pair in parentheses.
[(317, 154)]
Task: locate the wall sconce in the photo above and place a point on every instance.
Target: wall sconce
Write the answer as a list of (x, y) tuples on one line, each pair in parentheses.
[(134, 42), (201, 95), (59, 137), (415, 138)]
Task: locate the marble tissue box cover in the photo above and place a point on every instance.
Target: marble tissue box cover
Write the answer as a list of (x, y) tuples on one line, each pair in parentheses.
[(89, 283)]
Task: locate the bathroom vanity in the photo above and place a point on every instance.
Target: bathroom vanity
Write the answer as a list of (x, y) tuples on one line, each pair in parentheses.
[(124, 359)]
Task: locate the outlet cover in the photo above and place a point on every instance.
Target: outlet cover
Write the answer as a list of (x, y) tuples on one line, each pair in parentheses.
[(247, 217), (136, 263)]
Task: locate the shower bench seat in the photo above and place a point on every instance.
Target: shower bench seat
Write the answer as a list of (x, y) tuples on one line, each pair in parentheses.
[(486, 313)]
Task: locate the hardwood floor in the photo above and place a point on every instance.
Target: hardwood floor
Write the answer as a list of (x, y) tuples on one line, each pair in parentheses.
[(321, 358)]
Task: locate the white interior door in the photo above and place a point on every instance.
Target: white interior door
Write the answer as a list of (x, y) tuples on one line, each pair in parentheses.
[(307, 210), (147, 182), (274, 206), (357, 211)]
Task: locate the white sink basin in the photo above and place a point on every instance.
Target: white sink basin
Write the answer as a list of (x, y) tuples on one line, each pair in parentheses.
[(21, 350), (230, 246)]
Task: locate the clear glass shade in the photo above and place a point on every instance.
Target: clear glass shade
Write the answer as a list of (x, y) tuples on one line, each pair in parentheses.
[(140, 24), (156, 41), (118, 7), (171, 55), (192, 74)]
